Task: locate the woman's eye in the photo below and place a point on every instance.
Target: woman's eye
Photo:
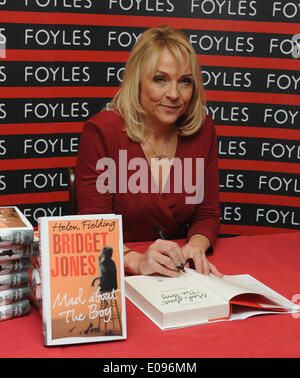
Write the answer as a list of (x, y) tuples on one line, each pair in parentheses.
[(187, 81), (159, 79)]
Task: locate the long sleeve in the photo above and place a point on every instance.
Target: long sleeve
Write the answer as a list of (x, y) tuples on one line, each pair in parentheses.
[(206, 218)]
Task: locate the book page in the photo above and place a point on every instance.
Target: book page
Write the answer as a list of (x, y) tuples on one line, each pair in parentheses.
[(225, 287), (243, 312), (173, 294), (240, 286), (272, 299)]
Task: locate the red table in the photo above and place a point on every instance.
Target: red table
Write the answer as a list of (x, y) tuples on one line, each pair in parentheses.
[(272, 259)]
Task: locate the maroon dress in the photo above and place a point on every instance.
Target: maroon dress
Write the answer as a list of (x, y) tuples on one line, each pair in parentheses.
[(104, 143)]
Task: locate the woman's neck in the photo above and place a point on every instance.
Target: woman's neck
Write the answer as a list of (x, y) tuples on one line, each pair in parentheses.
[(158, 132)]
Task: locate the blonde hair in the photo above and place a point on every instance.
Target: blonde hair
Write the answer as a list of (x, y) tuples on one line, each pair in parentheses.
[(127, 100)]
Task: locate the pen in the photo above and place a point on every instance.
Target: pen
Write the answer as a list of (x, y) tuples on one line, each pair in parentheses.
[(162, 236)]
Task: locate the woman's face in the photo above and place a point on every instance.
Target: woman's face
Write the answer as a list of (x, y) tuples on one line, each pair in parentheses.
[(166, 94)]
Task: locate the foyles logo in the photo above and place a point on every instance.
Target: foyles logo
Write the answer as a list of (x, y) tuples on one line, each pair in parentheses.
[(2, 43)]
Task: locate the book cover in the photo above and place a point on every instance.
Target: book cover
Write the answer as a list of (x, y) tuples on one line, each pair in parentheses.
[(14, 227), (82, 273)]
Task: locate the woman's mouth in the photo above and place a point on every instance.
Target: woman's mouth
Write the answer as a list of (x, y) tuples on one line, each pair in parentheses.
[(170, 108)]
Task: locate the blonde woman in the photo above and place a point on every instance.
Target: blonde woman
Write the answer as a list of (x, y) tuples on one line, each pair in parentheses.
[(151, 156)]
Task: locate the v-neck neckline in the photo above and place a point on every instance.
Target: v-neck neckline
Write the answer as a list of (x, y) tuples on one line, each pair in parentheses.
[(178, 146)]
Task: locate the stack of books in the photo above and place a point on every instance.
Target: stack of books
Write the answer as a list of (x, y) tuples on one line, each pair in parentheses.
[(16, 248)]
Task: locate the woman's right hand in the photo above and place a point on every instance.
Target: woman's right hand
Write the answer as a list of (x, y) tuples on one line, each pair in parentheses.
[(162, 257)]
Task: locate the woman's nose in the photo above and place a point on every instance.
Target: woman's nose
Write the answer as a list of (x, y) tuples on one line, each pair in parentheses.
[(172, 91)]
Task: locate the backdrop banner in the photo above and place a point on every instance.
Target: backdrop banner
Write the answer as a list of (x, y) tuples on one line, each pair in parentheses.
[(61, 61)]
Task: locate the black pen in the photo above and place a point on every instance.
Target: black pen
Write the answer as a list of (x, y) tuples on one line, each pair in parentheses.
[(162, 236)]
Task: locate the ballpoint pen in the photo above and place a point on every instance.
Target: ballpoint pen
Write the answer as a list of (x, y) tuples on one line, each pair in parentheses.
[(162, 236)]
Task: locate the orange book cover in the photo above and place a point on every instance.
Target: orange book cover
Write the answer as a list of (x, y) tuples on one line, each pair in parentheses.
[(82, 277)]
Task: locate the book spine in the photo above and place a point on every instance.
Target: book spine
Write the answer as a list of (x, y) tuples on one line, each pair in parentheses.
[(11, 266), (14, 295), (14, 310), (13, 236), (36, 244), (14, 251), (43, 246), (12, 280)]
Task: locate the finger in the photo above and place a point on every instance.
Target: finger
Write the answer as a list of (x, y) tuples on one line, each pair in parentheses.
[(155, 256), (201, 263), (164, 243), (161, 269), (215, 271), (172, 250), (152, 262), (165, 260), (205, 265), (197, 260)]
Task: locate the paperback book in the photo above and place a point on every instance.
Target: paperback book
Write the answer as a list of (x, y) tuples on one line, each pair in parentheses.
[(14, 310), (15, 229), (82, 276), (194, 298), (17, 251), (12, 266), (14, 295), (12, 280)]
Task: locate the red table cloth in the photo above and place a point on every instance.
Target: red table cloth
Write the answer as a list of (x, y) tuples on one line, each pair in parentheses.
[(272, 259)]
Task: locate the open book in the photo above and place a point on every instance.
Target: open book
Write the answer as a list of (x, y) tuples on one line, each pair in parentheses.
[(194, 298)]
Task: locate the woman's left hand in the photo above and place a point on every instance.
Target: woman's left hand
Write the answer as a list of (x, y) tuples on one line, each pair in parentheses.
[(196, 251)]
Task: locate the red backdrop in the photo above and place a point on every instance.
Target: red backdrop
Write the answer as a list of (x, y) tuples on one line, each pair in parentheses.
[(62, 60)]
